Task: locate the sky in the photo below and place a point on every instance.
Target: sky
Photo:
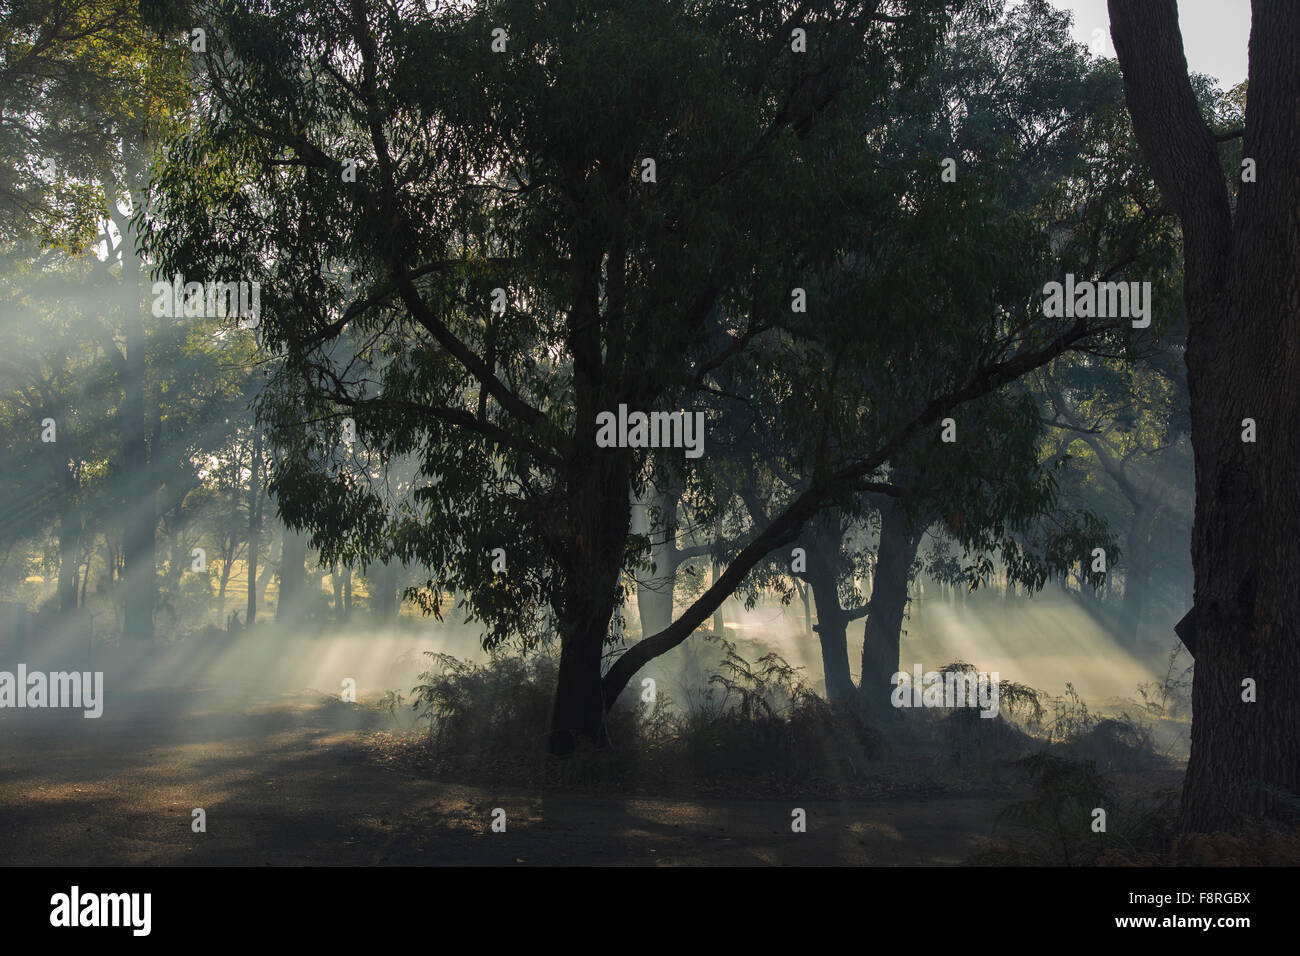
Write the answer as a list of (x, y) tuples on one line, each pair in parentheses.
[(1216, 34)]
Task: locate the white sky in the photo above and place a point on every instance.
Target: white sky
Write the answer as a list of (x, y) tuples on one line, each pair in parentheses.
[(1216, 33)]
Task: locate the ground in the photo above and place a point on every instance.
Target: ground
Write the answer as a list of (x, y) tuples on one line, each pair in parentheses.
[(294, 780)]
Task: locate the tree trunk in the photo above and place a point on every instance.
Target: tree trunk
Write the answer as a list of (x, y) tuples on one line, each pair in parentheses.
[(138, 545), (387, 584), (654, 593), (69, 560), (138, 540), (1242, 293), (337, 580), (802, 590), (293, 573), (832, 623), (597, 520), (254, 536), (1137, 557), (882, 634), (719, 625), (268, 571)]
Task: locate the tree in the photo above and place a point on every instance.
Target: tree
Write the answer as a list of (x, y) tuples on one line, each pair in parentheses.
[(644, 188), (1242, 283), (87, 90)]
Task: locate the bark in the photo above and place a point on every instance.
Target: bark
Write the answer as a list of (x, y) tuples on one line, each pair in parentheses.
[(69, 561), (138, 546), (654, 593), (1242, 293), (832, 621), (719, 625), (1137, 556), (69, 530), (268, 571), (387, 584), (598, 516), (803, 592), (595, 514), (293, 573), (85, 578), (882, 634), (254, 535)]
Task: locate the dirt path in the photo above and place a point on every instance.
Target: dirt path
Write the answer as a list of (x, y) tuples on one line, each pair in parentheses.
[(289, 782)]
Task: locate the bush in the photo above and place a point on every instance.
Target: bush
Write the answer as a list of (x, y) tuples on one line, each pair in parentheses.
[(756, 724)]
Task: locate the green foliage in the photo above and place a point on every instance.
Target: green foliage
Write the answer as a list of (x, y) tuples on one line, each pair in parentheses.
[(484, 708), (757, 725)]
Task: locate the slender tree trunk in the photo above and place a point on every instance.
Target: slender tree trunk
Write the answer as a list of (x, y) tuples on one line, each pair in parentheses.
[(803, 592), (1137, 557), (138, 546), (254, 535), (383, 584), (337, 579), (268, 569), (1242, 293), (293, 573), (883, 631), (69, 561), (654, 593), (832, 623), (719, 625)]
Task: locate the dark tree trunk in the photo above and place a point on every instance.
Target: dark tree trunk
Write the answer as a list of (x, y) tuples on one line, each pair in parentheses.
[(1137, 556), (69, 562), (598, 519), (293, 573), (254, 531), (832, 630), (337, 577), (85, 576), (387, 584), (882, 633), (822, 546), (138, 546), (1242, 292), (719, 625)]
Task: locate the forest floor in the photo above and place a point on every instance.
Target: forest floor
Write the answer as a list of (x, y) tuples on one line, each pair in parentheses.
[(297, 779)]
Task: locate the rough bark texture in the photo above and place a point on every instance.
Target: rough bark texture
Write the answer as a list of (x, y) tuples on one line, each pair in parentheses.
[(1242, 291), (598, 518), (254, 529), (882, 635), (832, 619)]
